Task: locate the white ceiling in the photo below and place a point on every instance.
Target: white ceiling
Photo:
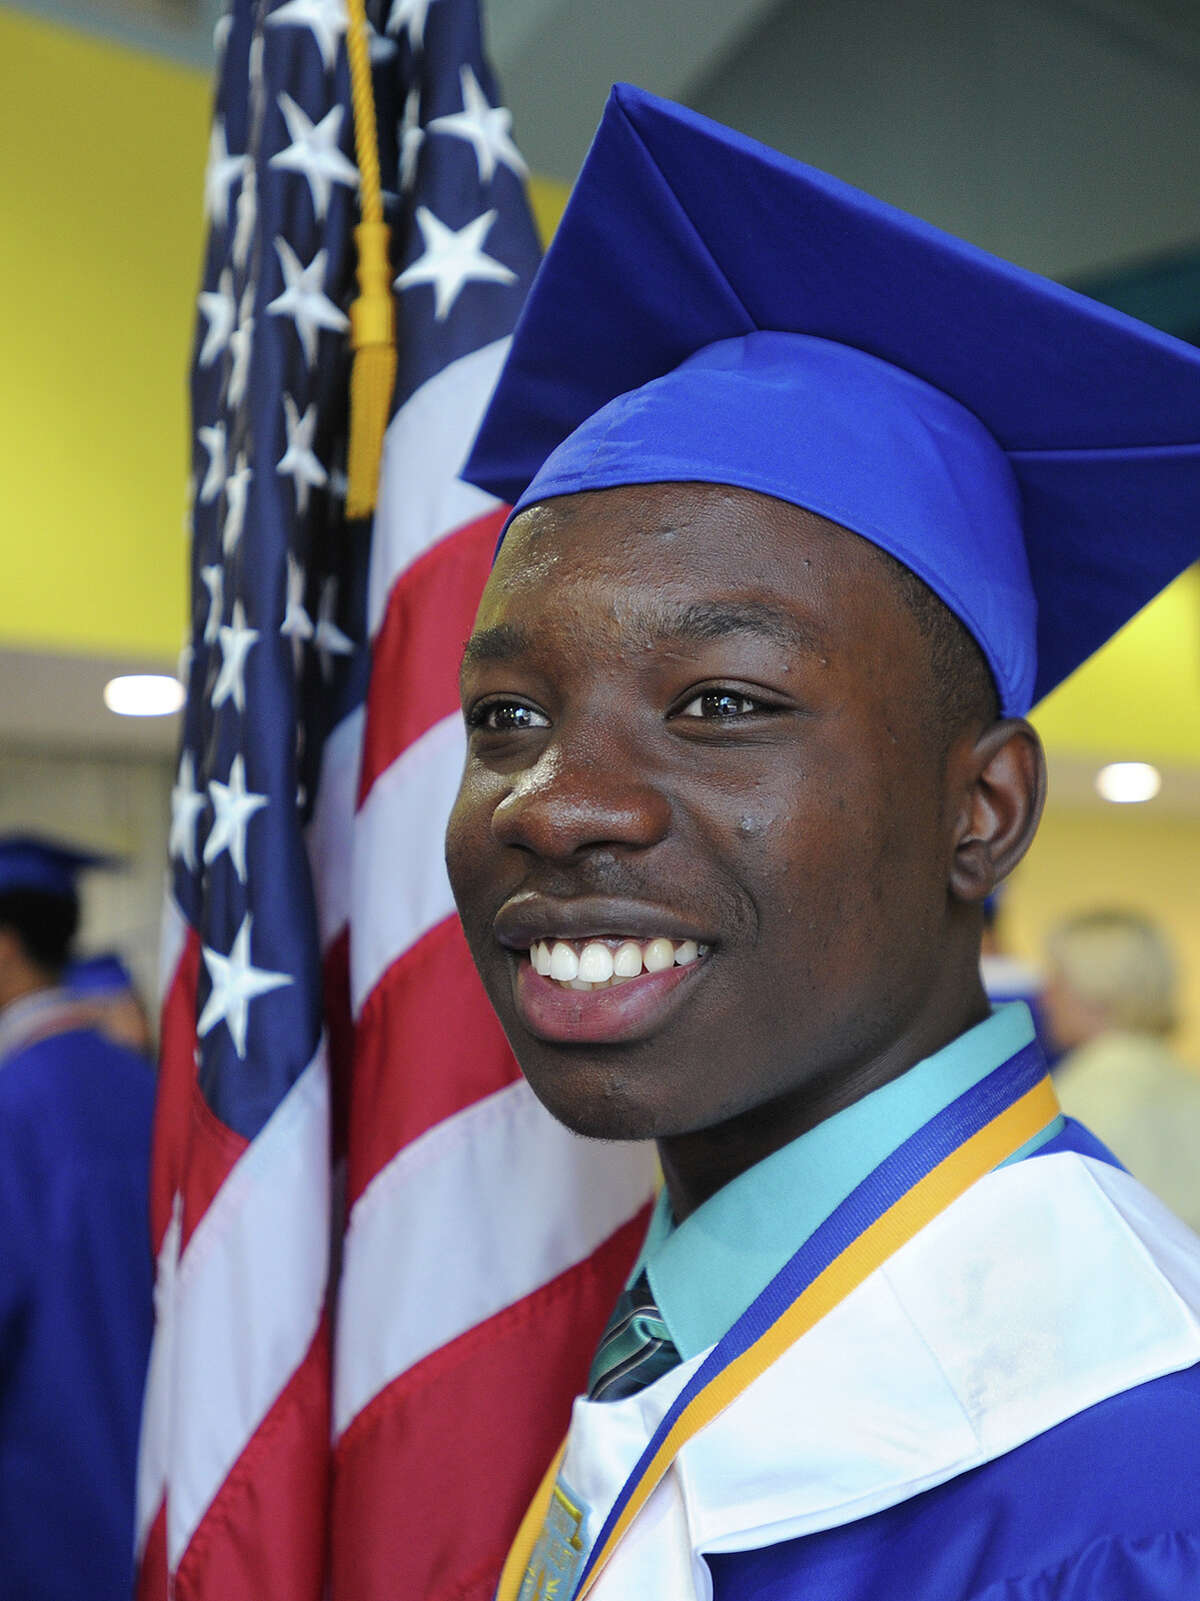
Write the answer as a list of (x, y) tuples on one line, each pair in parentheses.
[(557, 58)]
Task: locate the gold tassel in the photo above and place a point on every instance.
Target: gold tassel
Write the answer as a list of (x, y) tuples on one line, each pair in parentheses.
[(373, 375), (372, 316)]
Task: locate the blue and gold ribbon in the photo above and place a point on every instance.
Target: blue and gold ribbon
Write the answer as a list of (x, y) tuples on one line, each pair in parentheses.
[(992, 1122)]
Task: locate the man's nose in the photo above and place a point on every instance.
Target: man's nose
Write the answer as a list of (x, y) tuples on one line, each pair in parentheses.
[(574, 801)]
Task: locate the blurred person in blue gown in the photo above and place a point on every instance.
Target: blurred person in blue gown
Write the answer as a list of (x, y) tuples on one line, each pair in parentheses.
[(75, 1268), (106, 987)]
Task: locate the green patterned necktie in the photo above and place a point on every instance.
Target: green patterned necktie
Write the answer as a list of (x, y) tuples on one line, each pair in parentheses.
[(635, 1349)]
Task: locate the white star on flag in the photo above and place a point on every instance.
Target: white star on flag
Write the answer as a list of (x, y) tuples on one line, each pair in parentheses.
[(237, 492), (326, 19), (222, 172), (235, 983), (220, 307), (245, 214), (379, 47), (314, 152), (412, 137), (214, 581), (304, 299), (485, 127), (241, 341), (187, 802), (329, 639), (297, 625), (299, 462), (453, 259), (410, 15), (213, 440), (233, 807), (236, 642)]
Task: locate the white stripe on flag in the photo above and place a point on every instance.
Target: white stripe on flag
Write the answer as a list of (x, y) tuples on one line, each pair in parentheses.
[(329, 831), (154, 1447), (249, 1292), (474, 1215), (421, 497), (399, 887), (172, 937)]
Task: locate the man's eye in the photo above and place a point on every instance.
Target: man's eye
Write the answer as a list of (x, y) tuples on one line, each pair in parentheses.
[(717, 704), (506, 717)]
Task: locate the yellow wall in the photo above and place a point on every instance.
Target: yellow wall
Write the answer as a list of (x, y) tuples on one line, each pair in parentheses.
[(547, 197), (1123, 856), (100, 189), (1139, 699)]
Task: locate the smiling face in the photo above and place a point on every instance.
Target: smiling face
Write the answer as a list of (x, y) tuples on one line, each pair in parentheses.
[(700, 753)]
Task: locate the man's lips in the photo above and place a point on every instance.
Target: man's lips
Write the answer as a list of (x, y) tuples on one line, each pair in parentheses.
[(528, 916), (606, 1015)]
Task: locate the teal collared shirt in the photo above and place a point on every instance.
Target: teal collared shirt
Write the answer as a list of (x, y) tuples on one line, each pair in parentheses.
[(705, 1272)]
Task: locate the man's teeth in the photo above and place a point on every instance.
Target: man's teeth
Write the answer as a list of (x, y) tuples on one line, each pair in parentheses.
[(599, 963)]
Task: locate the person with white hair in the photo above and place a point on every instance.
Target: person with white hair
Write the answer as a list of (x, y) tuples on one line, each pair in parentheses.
[(1110, 1006)]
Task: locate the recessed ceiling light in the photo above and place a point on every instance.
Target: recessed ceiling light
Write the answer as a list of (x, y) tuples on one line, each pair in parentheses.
[(1128, 782), (143, 695)]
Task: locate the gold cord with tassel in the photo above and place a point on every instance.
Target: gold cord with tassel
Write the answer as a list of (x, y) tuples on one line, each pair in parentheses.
[(372, 315)]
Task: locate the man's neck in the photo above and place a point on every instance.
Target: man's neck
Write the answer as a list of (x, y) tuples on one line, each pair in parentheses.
[(696, 1165)]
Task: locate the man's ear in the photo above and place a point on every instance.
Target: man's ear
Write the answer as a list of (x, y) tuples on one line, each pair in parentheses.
[(1000, 781)]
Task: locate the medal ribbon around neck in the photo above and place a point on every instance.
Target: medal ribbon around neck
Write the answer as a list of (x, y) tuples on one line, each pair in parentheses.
[(989, 1124)]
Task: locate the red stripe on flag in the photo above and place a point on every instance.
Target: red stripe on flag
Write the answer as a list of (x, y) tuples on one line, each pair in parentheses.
[(428, 619), (428, 1045), (152, 1574), (266, 1531), (469, 1428), (194, 1152), (213, 1150), (176, 1082)]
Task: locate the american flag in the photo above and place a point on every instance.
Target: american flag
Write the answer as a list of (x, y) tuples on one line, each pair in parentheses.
[(381, 1267)]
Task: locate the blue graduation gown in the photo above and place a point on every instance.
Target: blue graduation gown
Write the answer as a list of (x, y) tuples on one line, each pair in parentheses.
[(1103, 1507), (75, 1313)]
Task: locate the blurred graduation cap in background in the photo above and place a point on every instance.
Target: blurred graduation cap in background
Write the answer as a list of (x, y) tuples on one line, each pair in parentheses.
[(32, 862), (713, 311)]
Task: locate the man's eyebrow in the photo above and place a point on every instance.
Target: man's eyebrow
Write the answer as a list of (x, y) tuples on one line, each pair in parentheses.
[(502, 643), (660, 625), (708, 620)]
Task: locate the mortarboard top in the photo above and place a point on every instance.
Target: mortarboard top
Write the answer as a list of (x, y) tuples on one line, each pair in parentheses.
[(105, 974), (712, 311), (30, 862)]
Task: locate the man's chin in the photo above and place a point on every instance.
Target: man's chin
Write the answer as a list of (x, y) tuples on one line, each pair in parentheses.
[(594, 1109)]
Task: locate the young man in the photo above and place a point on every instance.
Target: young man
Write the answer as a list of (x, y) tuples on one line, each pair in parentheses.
[(793, 477), (75, 1264)]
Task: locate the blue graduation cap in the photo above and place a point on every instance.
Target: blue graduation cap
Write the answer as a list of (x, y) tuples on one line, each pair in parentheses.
[(30, 862), (713, 311)]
